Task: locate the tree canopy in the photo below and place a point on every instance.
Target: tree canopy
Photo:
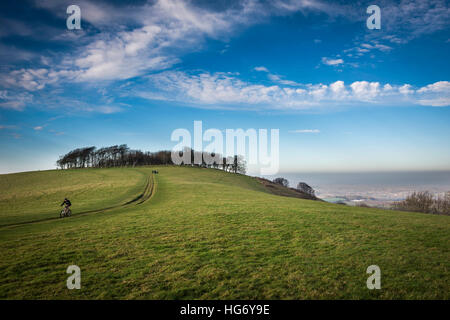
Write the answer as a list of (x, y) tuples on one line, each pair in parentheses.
[(122, 155)]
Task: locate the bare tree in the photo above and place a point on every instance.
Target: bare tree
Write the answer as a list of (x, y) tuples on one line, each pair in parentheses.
[(425, 202)]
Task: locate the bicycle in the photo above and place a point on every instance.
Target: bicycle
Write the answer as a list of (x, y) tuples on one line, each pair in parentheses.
[(66, 212)]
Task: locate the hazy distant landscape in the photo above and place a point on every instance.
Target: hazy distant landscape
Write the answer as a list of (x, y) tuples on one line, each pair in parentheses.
[(372, 188)]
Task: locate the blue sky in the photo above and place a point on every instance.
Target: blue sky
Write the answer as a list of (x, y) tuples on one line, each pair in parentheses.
[(345, 98)]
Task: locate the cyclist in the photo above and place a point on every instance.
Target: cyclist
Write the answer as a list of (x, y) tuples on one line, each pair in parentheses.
[(67, 204)]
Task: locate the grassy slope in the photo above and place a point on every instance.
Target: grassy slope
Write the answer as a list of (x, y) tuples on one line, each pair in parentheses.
[(31, 196), (209, 234), (280, 190)]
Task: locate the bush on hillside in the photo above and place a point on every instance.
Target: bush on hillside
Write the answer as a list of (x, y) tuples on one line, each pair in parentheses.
[(281, 181), (306, 188), (425, 202)]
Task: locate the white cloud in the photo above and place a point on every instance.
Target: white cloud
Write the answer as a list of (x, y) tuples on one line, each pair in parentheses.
[(159, 32), (360, 49), (383, 47), (365, 91), (261, 69), (225, 90), (437, 87), (332, 62), (276, 78), (436, 94), (15, 101), (162, 31), (214, 88), (375, 45), (130, 54), (164, 27), (437, 102), (338, 89), (318, 92), (402, 21), (411, 19), (406, 89), (387, 88), (34, 79), (165, 30)]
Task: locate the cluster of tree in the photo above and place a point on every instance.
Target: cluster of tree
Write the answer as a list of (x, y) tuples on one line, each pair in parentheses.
[(281, 181), (188, 156), (122, 155), (304, 187), (425, 202), (301, 186)]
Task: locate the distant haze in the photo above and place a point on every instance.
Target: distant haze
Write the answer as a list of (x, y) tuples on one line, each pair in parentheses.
[(386, 186)]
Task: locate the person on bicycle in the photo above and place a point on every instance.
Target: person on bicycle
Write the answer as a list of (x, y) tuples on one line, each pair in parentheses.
[(67, 204)]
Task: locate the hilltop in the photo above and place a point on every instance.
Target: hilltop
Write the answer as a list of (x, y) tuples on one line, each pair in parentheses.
[(193, 233)]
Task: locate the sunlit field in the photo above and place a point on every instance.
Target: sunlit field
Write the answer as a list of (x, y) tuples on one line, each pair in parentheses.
[(191, 233)]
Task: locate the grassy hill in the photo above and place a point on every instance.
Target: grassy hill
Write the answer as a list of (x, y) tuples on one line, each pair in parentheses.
[(191, 233), (33, 196)]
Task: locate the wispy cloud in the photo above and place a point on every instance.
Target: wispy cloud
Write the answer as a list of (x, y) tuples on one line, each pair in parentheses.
[(262, 69), (14, 100), (136, 40), (365, 48), (276, 78), (332, 62), (104, 109), (222, 89), (401, 22), (436, 102), (305, 131), (162, 31), (4, 127), (411, 19)]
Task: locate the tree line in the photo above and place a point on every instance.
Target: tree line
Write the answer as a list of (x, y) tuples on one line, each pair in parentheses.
[(123, 156)]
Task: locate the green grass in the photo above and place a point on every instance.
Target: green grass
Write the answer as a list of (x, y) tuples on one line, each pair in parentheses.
[(32, 196), (206, 234)]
